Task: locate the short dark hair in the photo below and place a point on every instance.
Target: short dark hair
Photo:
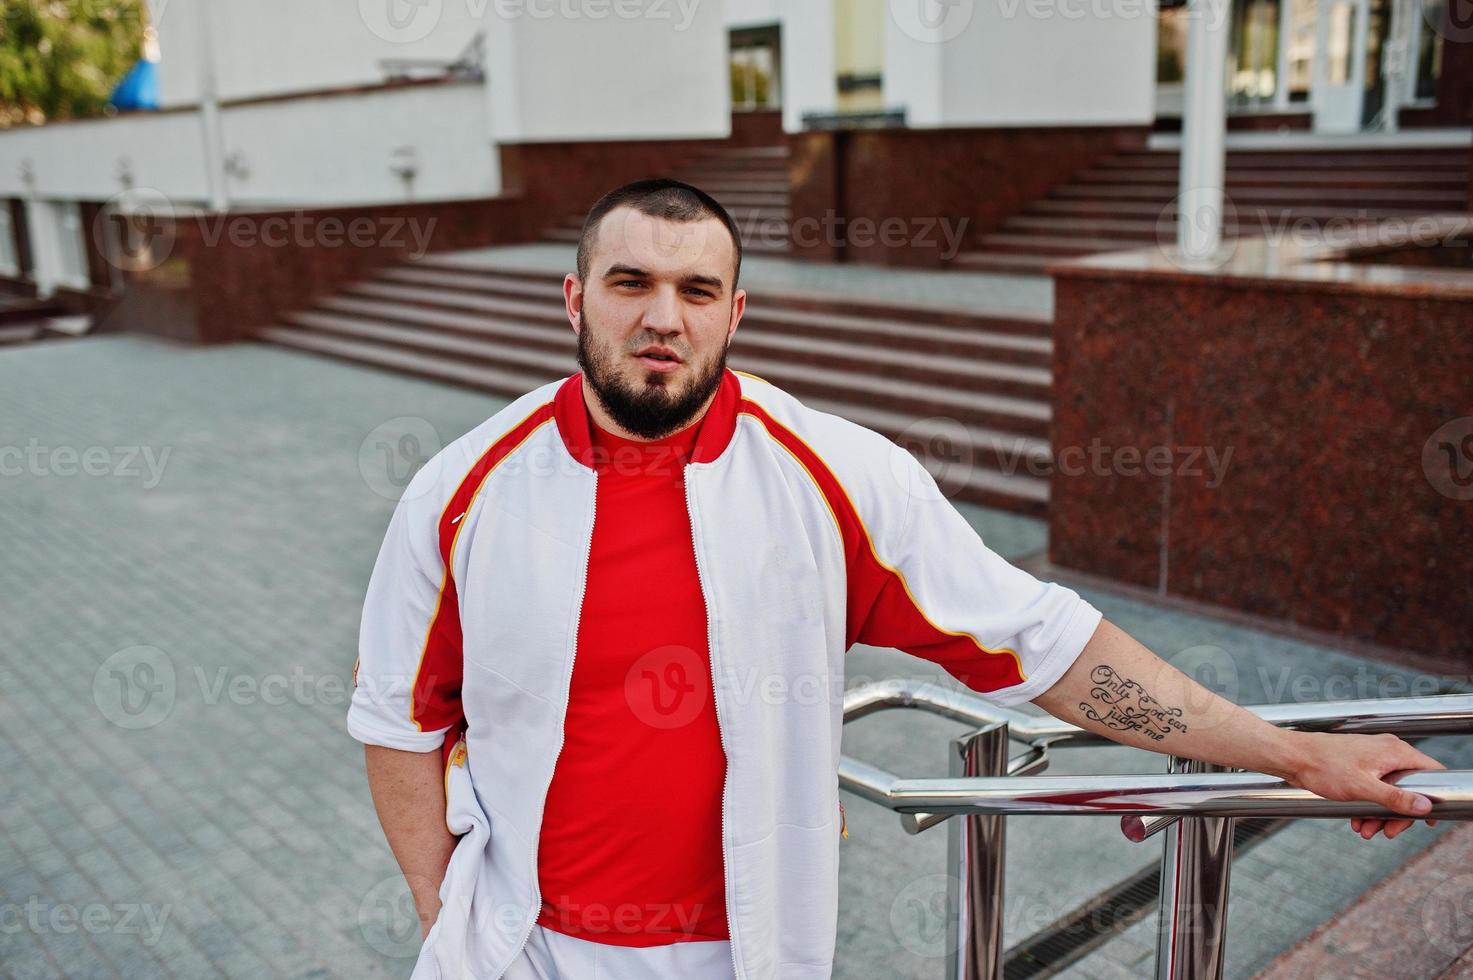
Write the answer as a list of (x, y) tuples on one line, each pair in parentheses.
[(661, 197)]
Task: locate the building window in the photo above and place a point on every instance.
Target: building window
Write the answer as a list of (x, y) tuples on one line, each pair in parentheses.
[(755, 69), (1429, 50), (1299, 42), (71, 249), (1254, 45)]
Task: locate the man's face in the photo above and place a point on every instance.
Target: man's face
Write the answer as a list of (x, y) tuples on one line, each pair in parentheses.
[(655, 318)]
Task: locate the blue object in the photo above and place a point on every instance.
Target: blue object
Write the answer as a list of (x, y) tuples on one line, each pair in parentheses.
[(139, 89)]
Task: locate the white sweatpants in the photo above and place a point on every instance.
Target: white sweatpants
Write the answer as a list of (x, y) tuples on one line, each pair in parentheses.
[(551, 955)]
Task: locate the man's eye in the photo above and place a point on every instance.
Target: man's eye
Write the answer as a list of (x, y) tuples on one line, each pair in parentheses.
[(699, 292), (629, 282)]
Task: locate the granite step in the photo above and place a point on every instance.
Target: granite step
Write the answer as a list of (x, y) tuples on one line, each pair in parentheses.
[(1033, 243), (1309, 180), (19, 333)]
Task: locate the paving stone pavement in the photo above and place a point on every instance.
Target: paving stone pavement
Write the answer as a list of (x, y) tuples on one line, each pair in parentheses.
[(188, 534)]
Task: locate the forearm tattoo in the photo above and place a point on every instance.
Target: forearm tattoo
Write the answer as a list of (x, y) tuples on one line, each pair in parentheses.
[(1123, 705)]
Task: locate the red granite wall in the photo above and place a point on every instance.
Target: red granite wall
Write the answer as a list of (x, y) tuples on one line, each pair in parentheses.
[(1335, 509), (918, 176), (246, 267), (558, 180)]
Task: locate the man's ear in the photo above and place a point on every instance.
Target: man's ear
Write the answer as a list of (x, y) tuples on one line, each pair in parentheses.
[(738, 307), (573, 298)]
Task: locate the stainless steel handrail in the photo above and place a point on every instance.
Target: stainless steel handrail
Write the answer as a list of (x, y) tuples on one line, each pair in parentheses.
[(1223, 794), (985, 786)]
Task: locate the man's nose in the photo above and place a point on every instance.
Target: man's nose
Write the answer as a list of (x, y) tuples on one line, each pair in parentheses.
[(662, 313)]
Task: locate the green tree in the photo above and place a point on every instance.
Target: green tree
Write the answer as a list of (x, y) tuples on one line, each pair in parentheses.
[(59, 59)]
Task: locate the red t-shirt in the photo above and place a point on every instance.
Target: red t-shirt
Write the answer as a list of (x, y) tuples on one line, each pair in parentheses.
[(630, 851)]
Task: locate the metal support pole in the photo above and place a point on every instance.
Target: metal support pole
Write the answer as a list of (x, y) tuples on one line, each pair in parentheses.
[(1195, 862), (1199, 215), (976, 847)]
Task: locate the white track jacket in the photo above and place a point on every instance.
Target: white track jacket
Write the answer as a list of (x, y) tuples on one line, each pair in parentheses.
[(811, 533)]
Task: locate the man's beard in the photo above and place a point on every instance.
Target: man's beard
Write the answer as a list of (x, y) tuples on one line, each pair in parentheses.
[(650, 410)]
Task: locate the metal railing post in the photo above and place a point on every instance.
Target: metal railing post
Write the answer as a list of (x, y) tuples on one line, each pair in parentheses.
[(1195, 862), (976, 847)]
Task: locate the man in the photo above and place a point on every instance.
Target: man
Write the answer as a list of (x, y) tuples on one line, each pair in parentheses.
[(621, 606)]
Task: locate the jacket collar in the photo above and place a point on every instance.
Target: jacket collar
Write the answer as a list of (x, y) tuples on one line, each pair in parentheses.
[(716, 426)]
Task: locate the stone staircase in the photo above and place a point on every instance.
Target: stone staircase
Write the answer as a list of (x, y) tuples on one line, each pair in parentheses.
[(967, 392), (1127, 201), (24, 319), (750, 182)]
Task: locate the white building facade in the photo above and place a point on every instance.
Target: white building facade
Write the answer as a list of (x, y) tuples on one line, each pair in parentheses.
[(271, 103)]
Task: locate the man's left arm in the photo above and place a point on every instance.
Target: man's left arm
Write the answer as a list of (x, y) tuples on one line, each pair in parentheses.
[(1121, 690)]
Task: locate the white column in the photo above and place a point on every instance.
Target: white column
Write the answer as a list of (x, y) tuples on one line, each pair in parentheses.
[(45, 255), (1204, 122), (209, 112)]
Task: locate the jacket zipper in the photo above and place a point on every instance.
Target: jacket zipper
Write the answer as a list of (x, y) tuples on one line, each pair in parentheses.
[(562, 735), (721, 732)]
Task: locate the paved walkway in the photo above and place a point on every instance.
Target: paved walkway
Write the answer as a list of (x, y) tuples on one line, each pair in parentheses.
[(188, 535)]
